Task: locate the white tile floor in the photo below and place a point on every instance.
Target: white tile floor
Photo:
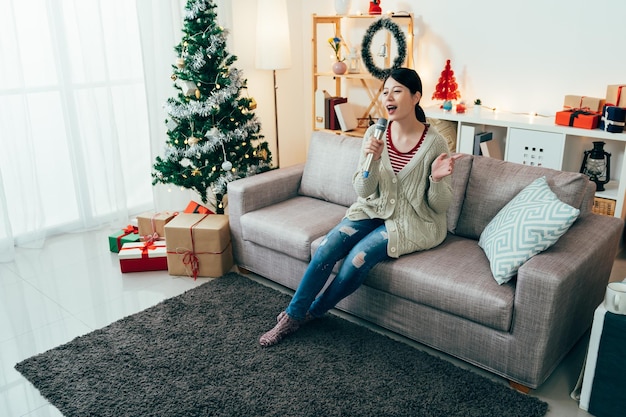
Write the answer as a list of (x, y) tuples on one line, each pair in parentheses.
[(73, 286)]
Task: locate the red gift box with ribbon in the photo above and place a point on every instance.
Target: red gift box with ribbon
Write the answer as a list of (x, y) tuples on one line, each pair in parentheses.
[(194, 207), (126, 235), (583, 119), (198, 245), (143, 256), (152, 225)]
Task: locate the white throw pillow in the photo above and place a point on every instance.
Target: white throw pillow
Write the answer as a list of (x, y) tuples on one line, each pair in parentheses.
[(529, 224)]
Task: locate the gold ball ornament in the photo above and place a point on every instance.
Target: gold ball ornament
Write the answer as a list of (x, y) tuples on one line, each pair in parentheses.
[(197, 93), (253, 104)]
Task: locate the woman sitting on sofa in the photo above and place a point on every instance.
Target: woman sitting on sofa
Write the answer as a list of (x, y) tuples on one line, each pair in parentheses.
[(401, 206)]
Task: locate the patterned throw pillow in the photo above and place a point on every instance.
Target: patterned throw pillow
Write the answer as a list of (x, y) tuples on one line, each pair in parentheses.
[(529, 224)]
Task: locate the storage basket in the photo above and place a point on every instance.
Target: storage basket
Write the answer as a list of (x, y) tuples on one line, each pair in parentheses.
[(604, 206)]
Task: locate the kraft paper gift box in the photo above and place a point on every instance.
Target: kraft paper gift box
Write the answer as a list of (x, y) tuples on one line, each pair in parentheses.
[(117, 239), (150, 223), (615, 96), (143, 256), (198, 245), (593, 104), (613, 119), (577, 118)]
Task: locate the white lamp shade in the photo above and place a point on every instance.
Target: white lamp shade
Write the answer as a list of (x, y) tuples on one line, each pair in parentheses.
[(273, 49)]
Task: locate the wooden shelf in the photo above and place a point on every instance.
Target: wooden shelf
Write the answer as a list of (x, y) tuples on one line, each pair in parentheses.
[(346, 85)]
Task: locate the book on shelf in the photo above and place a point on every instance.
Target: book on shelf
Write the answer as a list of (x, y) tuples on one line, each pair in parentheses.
[(331, 122), (480, 138), (320, 102), (346, 117)]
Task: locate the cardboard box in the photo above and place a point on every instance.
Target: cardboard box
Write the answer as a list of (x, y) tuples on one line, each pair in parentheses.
[(143, 256), (583, 120), (127, 235), (593, 104), (615, 96), (150, 223), (198, 245)]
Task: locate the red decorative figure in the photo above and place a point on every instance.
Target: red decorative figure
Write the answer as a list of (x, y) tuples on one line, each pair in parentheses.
[(375, 7), (447, 89)]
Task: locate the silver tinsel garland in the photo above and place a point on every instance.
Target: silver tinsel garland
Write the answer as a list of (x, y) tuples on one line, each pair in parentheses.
[(196, 8)]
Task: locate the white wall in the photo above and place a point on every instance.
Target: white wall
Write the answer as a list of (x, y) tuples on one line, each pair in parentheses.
[(519, 56)]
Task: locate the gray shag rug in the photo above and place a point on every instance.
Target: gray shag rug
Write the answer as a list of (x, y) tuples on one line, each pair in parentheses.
[(197, 354)]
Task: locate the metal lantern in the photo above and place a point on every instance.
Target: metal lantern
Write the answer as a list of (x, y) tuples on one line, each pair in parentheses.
[(597, 165)]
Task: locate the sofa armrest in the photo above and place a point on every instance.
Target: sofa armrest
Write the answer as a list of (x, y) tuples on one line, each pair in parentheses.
[(262, 190), (258, 191), (558, 290)]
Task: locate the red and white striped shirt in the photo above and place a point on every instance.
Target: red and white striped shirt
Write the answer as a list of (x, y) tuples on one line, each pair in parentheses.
[(400, 159)]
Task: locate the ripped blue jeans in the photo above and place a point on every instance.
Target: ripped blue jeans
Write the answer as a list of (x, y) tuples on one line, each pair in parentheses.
[(362, 243)]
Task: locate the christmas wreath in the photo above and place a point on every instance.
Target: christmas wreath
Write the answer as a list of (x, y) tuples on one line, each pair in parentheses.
[(366, 54)]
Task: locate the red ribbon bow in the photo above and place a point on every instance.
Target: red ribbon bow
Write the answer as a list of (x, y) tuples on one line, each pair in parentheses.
[(130, 229)]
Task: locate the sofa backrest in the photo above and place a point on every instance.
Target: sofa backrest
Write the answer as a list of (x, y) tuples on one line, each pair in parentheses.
[(483, 186), (331, 163)]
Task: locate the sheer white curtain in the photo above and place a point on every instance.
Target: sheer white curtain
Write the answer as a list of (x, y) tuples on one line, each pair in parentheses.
[(74, 131)]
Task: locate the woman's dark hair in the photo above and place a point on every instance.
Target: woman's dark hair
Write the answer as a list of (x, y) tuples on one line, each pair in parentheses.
[(409, 78)]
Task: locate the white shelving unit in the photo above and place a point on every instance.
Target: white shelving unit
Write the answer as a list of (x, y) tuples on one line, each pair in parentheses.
[(537, 140)]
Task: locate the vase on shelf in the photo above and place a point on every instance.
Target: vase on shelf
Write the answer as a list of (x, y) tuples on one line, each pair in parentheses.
[(340, 67), (342, 7)]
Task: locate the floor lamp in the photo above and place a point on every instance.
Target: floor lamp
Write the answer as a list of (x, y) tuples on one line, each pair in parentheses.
[(273, 49)]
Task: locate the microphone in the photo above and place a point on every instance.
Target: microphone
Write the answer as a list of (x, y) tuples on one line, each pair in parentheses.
[(379, 130)]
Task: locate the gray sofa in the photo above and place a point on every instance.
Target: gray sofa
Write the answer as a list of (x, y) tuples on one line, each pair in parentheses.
[(446, 297)]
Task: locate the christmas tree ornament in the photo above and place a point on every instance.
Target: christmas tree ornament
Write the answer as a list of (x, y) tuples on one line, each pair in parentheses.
[(173, 77), (212, 133), (252, 105), (188, 87), (227, 165), (197, 93), (195, 172), (193, 140), (180, 63)]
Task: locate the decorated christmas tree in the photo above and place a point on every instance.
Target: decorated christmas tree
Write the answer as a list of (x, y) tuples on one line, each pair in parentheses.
[(213, 134), (447, 88)]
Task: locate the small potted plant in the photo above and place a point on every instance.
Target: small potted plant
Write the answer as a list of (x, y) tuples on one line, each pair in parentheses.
[(339, 67), (477, 106)]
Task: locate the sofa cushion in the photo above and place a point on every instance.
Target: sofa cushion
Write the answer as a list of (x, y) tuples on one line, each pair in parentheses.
[(290, 226), (493, 183), (331, 163), (529, 224), (450, 278)]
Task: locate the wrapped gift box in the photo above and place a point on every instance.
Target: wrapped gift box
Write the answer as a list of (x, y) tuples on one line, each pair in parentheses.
[(592, 104), (143, 256), (577, 118), (614, 96), (613, 119), (198, 245), (127, 235), (194, 207), (151, 223)]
